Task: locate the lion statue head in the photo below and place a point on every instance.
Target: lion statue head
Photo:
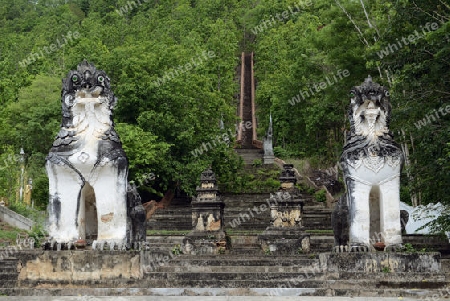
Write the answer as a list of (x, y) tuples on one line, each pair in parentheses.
[(369, 115)]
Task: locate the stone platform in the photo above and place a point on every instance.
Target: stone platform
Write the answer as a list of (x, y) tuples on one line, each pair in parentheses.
[(162, 273)]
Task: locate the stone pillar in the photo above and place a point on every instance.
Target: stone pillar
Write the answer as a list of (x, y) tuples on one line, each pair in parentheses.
[(269, 156), (207, 235), (285, 234)]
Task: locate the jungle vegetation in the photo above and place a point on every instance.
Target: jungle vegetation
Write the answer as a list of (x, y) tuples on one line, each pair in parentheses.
[(167, 109)]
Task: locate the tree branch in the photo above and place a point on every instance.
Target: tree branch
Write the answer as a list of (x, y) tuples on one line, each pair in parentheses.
[(368, 20), (353, 22)]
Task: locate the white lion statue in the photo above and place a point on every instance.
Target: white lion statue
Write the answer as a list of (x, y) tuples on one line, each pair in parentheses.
[(371, 161), (87, 167)]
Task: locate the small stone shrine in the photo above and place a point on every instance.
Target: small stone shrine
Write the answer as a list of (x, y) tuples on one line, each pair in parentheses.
[(368, 215), (208, 234), (285, 234)]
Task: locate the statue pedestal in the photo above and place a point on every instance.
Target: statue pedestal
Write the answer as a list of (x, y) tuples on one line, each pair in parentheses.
[(285, 235), (207, 235), (285, 241)]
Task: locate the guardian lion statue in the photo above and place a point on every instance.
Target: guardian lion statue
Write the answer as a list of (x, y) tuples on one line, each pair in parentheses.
[(371, 161), (88, 169)]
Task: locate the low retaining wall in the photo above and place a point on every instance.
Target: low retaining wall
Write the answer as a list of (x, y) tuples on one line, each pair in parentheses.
[(15, 219)]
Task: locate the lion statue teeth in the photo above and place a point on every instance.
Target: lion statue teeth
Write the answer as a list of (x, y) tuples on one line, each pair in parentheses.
[(371, 161)]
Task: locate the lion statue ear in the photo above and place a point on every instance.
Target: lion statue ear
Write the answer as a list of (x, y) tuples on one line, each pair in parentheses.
[(112, 103)]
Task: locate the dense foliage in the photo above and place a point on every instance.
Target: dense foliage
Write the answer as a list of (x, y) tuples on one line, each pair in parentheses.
[(403, 45), (172, 64)]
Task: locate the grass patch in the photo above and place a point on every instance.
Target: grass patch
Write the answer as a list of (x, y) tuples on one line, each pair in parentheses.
[(8, 234), (254, 179), (302, 165), (167, 232), (33, 214)]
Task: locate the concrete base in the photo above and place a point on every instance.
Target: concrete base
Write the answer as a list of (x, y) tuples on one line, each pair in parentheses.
[(381, 262), (286, 241), (205, 242)]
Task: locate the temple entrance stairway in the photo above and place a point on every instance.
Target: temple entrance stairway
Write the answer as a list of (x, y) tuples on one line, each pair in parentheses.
[(241, 222), (240, 275), (247, 145)]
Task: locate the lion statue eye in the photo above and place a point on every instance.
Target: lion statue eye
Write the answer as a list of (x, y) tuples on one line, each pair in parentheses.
[(100, 79), (74, 78)]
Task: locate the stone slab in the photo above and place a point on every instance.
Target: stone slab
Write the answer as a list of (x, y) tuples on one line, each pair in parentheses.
[(202, 298)]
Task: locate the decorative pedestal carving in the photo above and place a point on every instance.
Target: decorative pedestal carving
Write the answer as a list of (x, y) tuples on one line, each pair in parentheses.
[(371, 161), (285, 234), (207, 235)]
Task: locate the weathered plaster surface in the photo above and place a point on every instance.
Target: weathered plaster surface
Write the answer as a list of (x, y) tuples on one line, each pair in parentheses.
[(72, 266)]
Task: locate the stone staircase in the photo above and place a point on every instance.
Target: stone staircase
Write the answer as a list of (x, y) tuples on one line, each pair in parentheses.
[(178, 216), (317, 217), (8, 272), (231, 271), (242, 222), (250, 155), (238, 275)]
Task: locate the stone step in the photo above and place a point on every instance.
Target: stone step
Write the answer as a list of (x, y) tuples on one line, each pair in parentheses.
[(233, 269), (228, 280), (247, 294), (243, 239), (306, 279), (249, 155), (260, 260), (249, 251), (172, 239), (274, 280)]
